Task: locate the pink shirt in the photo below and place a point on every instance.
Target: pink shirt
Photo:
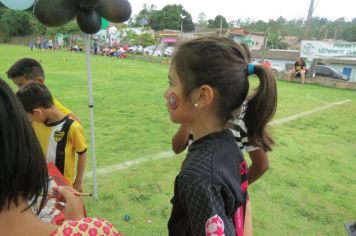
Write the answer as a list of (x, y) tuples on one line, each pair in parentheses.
[(86, 227)]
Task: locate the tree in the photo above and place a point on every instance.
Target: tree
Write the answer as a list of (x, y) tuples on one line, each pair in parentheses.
[(157, 20), (15, 23), (274, 41), (349, 33), (142, 19), (171, 17), (202, 22), (145, 39), (219, 20)]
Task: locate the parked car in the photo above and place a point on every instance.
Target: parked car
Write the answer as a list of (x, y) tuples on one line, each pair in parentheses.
[(169, 51), (135, 49), (156, 53), (148, 50), (132, 49), (274, 67), (152, 51), (328, 71)]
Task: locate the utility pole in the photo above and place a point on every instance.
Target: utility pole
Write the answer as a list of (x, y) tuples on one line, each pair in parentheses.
[(309, 19), (307, 33), (220, 27), (264, 44)]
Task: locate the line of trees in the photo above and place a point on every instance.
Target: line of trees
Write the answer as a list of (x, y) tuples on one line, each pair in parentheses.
[(24, 23)]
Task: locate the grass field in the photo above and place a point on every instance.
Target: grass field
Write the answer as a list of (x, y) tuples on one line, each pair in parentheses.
[(309, 189)]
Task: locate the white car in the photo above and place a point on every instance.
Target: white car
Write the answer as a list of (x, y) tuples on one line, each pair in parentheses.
[(156, 53), (148, 50), (274, 67), (277, 68), (169, 51)]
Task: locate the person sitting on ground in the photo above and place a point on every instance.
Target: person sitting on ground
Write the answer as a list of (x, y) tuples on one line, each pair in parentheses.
[(24, 181), (299, 69), (60, 136), (28, 70)]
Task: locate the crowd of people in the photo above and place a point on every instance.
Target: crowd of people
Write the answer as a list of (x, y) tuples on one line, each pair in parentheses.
[(207, 94)]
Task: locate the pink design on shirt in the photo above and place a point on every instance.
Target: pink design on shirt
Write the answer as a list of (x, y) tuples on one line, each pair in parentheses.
[(67, 231), (73, 223), (93, 232), (214, 226), (83, 227), (88, 220)]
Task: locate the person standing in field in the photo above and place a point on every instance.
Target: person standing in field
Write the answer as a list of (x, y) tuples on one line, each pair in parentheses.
[(60, 136), (258, 154), (208, 81)]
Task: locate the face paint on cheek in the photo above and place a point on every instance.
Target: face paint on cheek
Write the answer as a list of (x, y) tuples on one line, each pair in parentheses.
[(173, 101)]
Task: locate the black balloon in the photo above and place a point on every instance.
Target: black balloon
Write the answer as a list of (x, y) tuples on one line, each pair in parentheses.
[(88, 4), (115, 10), (55, 12), (89, 21)]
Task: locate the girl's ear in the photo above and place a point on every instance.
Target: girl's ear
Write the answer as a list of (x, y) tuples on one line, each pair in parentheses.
[(204, 96)]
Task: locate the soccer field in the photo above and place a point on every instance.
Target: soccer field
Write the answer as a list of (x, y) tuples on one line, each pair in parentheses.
[(309, 189)]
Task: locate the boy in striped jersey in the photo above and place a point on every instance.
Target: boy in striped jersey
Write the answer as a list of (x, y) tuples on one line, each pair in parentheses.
[(60, 136)]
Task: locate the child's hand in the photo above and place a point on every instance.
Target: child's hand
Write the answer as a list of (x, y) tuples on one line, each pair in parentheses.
[(78, 186), (71, 204)]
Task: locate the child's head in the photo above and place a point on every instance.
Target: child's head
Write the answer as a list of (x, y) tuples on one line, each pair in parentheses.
[(35, 98), (215, 71), (26, 70), (23, 170)]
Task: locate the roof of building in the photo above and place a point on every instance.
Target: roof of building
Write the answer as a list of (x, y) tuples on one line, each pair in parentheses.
[(339, 61), (167, 33), (293, 54), (277, 54), (243, 32)]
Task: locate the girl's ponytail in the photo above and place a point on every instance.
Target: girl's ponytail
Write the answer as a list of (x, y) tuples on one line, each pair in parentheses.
[(261, 108)]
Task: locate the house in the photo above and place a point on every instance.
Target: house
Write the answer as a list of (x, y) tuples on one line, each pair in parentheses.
[(168, 37), (210, 32), (240, 35)]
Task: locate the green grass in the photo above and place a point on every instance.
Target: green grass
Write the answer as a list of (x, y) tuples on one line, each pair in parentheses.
[(309, 189)]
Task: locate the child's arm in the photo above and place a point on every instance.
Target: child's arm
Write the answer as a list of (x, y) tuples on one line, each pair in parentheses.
[(258, 166), (78, 183), (209, 207)]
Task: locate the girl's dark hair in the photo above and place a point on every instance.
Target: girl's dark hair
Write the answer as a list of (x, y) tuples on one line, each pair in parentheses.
[(23, 169), (34, 95), (222, 64)]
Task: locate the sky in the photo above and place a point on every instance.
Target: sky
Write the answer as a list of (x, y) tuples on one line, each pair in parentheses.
[(257, 9)]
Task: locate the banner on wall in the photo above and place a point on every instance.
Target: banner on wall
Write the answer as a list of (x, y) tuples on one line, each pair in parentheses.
[(328, 50)]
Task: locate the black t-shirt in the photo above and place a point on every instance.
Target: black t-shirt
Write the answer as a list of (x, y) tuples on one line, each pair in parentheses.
[(211, 189), (298, 67)]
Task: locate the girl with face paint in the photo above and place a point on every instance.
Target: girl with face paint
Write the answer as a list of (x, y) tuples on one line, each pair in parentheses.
[(208, 81)]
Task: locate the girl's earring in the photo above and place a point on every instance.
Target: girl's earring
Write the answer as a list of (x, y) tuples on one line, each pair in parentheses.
[(195, 104)]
